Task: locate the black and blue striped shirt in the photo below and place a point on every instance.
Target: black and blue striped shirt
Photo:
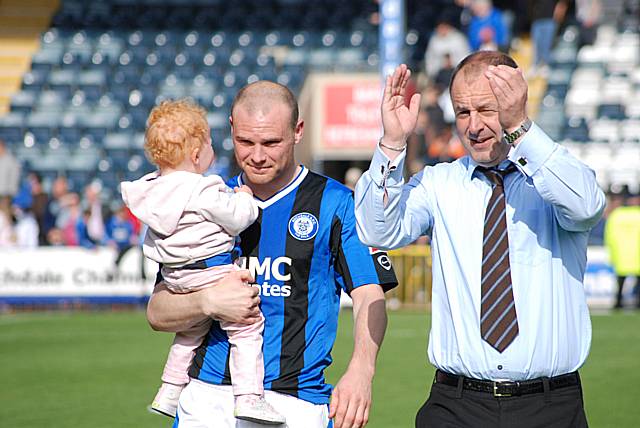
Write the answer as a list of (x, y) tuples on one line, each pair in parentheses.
[(302, 250)]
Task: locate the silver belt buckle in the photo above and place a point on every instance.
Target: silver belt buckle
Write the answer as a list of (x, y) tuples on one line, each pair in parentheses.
[(496, 393)]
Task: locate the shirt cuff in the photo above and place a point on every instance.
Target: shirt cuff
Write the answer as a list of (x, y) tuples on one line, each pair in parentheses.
[(385, 172), (532, 151)]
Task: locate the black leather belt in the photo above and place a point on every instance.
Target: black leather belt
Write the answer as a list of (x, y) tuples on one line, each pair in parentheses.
[(508, 388)]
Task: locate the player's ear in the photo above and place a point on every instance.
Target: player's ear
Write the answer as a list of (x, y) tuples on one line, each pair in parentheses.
[(298, 131)]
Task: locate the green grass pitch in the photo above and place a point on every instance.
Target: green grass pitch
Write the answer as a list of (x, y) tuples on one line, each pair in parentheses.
[(101, 369)]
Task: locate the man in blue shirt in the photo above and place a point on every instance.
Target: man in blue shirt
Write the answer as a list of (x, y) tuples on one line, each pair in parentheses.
[(302, 251), (509, 225)]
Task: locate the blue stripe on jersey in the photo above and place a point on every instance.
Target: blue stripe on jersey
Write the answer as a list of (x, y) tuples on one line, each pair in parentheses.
[(357, 265), (272, 246), (324, 304)]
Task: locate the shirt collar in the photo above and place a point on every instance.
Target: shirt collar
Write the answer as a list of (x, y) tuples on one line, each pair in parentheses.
[(471, 166)]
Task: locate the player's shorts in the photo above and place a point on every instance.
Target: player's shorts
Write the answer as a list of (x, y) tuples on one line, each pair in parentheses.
[(203, 405)]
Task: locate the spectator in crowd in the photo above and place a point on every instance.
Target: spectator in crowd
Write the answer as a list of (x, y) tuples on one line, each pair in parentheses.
[(59, 198), (40, 201), (622, 239), (68, 218), (119, 231), (545, 16), (7, 237), (9, 173), (26, 227), (351, 177), (588, 15), (82, 230), (93, 208), (443, 77), (447, 47), (614, 200), (23, 197), (486, 29)]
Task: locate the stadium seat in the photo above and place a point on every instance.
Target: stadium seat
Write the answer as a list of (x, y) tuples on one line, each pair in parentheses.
[(605, 130), (12, 127), (102, 66), (43, 125), (630, 130), (34, 80), (23, 101), (611, 111), (577, 130)]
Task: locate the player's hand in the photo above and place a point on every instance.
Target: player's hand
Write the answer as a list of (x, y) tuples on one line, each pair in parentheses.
[(351, 400), (510, 89), (398, 121), (244, 189), (233, 299)]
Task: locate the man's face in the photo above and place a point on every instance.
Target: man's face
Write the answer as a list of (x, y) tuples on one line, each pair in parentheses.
[(477, 120), (264, 142)]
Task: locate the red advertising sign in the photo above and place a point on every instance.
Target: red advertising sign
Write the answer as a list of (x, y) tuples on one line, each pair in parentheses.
[(351, 115)]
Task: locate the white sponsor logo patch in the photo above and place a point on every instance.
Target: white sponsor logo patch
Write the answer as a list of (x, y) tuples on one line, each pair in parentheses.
[(277, 269), (384, 261)]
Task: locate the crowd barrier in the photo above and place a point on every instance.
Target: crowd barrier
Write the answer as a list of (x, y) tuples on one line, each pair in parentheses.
[(56, 275), (69, 275)]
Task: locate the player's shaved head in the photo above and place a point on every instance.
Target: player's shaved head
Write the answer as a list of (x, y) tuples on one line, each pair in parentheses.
[(259, 97)]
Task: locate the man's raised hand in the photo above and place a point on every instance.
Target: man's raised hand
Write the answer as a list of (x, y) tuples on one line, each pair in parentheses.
[(398, 121), (510, 89)]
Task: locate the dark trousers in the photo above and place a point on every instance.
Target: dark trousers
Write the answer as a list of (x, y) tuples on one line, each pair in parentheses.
[(451, 407), (621, 280)]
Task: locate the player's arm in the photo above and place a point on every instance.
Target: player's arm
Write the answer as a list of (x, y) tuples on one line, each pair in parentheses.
[(351, 399), (230, 300)]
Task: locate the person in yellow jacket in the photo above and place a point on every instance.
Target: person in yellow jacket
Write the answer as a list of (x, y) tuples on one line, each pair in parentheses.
[(622, 239)]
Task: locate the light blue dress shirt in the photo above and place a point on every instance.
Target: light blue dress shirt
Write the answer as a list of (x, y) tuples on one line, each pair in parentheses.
[(552, 203)]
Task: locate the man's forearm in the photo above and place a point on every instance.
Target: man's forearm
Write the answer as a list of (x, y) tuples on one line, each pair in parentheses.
[(173, 312), (231, 299), (370, 323)]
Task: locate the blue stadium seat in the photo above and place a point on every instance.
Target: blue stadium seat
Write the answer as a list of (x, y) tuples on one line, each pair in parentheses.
[(23, 101), (62, 80), (45, 60), (577, 130), (34, 80), (108, 63), (558, 90), (52, 100), (611, 111), (12, 127), (43, 125)]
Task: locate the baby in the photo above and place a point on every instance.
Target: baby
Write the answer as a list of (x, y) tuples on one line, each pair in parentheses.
[(193, 223)]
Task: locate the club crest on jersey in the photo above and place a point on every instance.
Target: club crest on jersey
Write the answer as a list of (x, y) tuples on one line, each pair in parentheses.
[(303, 226)]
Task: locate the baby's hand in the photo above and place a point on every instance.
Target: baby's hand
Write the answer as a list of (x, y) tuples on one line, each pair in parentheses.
[(244, 189)]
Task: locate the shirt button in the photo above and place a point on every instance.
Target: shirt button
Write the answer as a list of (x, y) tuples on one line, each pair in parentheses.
[(500, 367), (522, 161)]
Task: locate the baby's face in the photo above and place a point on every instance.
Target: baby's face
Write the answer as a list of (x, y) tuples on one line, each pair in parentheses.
[(206, 156)]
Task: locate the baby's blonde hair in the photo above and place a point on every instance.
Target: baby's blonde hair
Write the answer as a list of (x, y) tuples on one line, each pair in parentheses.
[(174, 129)]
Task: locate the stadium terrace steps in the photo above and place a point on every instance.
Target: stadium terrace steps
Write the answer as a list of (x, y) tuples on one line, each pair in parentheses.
[(21, 22)]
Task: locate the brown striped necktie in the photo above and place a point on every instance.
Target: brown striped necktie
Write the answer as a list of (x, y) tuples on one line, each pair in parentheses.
[(498, 318)]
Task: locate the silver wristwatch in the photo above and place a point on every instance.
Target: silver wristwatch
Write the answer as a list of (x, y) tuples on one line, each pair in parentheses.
[(513, 136)]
